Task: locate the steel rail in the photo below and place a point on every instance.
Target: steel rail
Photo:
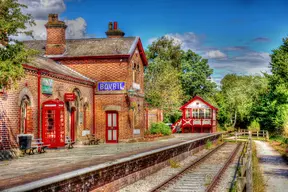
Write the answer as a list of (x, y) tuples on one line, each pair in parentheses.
[(217, 178), (193, 164)]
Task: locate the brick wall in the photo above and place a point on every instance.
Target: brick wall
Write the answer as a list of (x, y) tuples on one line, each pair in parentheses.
[(10, 111), (154, 116), (115, 70), (10, 107)]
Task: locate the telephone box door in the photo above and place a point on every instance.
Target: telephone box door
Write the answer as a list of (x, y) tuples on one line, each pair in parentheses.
[(53, 127), (49, 131)]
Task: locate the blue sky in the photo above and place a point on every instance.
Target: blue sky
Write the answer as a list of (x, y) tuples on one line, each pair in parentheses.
[(236, 36)]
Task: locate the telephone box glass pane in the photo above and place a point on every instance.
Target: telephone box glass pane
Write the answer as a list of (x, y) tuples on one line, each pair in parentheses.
[(62, 128), (50, 125)]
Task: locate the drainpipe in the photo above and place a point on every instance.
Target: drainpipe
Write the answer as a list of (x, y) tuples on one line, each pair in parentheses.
[(94, 111), (39, 102)]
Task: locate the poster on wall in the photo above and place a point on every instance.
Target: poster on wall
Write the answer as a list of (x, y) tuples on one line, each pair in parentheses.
[(111, 86), (47, 86)]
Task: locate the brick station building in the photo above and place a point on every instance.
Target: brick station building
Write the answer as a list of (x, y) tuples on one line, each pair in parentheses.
[(76, 87)]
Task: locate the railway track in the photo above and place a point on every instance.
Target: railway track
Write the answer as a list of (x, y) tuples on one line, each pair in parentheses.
[(202, 174)]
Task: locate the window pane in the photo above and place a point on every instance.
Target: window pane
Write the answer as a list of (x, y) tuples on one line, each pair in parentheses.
[(114, 120), (201, 113), (195, 113), (114, 134), (109, 134), (208, 113), (109, 120), (187, 113)]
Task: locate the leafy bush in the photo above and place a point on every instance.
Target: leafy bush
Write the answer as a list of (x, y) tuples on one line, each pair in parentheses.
[(174, 164), (279, 138), (157, 128), (208, 144), (254, 126)]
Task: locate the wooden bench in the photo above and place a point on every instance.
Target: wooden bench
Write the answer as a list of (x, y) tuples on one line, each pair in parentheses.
[(39, 145), (69, 142), (29, 151), (92, 140)]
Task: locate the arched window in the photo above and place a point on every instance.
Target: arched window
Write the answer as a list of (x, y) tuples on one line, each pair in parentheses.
[(25, 114)]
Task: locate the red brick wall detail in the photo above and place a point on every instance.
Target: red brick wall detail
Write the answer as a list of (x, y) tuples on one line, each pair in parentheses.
[(56, 43)]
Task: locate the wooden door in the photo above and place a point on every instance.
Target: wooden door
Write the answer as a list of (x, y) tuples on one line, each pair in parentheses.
[(72, 130), (112, 128)]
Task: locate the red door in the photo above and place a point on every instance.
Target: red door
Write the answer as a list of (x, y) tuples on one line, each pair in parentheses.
[(73, 125), (112, 128)]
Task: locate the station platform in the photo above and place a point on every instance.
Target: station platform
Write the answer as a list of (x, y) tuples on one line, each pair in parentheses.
[(54, 162)]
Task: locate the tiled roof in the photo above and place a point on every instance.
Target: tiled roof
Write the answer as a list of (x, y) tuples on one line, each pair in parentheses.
[(90, 47), (52, 66)]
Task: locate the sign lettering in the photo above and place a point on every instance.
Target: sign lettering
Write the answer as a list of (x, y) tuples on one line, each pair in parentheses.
[(111, 86), (69, 97)]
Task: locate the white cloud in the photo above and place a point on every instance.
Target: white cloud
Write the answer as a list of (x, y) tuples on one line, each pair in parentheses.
[(215, 54), (40, 9), (150, 41), (76, 29), (250, 63), (242, 60), (187, 40)]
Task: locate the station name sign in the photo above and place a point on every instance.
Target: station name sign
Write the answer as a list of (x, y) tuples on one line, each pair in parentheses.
[(69, 97), (111, 86)]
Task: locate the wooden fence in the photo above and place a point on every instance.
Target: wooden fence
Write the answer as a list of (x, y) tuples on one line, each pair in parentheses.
[(243, 180), (245, 132)]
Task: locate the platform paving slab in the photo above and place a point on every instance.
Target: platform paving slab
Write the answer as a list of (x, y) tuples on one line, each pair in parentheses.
[(39, 166), (274, 167)]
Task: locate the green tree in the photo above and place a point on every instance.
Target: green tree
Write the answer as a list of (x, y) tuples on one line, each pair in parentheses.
[(162, 86), (195, 76), (12, 55), (241, 93), (273, 109), (165, 49)]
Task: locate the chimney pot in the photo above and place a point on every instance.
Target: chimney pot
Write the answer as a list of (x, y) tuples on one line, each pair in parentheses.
[(115, 25), (114, 32), (52, 17), (110, 26)]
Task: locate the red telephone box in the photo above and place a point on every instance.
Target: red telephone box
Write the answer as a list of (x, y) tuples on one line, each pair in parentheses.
[(53, 127)]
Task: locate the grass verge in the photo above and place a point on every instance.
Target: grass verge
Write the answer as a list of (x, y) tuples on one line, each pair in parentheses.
[(258, 179), (280, 144)]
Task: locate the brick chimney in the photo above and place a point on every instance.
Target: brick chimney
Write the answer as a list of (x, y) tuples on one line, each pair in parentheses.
[(114, 32), (56, 41)]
